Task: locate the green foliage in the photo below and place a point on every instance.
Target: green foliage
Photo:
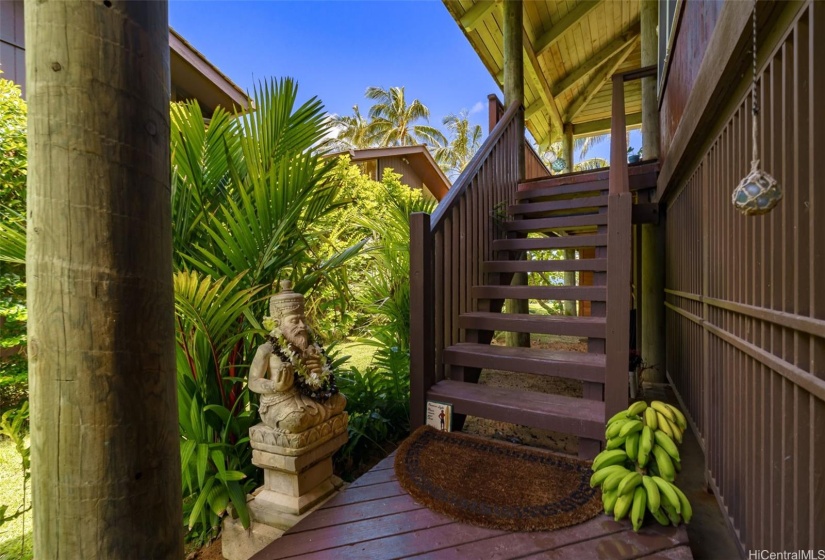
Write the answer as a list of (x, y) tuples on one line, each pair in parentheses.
[(249, 197), (13, 151), (465, 140), (14, 426)]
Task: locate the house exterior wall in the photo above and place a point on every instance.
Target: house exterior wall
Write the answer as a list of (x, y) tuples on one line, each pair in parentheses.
[(744, 297), (408, 175), (12, 53), (688, 49)]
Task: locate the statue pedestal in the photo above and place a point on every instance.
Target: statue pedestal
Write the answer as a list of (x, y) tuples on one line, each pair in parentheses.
[(297, 479)]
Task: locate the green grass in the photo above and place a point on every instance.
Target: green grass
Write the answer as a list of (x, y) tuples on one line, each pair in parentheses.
[(11, 494), (360, 354)]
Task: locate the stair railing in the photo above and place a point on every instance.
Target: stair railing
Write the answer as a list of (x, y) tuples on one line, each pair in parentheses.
[(619, 251), (534, 167), (447, 250)]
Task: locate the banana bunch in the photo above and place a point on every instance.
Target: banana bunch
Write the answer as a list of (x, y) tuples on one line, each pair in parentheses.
[(639, 464)]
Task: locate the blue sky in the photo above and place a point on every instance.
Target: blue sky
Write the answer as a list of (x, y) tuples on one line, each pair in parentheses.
[(335, 49)]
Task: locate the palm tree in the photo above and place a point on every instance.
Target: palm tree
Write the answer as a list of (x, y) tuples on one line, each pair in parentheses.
[(454, 156), (354, 132), (393, 121)]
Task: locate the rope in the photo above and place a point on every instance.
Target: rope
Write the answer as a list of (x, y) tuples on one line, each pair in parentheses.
[(754, 98)]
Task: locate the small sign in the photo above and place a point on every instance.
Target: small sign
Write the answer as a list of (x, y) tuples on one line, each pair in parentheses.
[(440, 415)]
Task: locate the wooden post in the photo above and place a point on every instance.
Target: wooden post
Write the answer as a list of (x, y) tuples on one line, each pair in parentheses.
[(422, 304), (652, 302), (106, 479), (514, 93), (567, 147), (569, 280)]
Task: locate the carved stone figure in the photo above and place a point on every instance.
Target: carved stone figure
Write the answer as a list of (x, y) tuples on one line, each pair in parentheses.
[(291, 372)]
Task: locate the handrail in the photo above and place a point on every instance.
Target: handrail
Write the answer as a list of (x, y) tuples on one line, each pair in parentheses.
[(464, 180), (534, 167)]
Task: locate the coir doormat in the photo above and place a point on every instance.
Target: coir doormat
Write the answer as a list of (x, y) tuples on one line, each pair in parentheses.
[(495, 485)]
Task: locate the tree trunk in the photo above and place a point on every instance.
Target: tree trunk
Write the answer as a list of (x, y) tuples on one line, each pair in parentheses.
[(105, 446), (514, 93)]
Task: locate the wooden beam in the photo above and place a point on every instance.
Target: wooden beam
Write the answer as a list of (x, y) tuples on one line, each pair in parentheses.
[(557, 30), (593, 63), (545, 89), (532, 111), (598, 81), (476, 13), (603, 125)]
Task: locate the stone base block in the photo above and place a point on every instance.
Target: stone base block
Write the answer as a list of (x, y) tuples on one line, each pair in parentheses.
[(278, 501), (296, 484), (238, 543)]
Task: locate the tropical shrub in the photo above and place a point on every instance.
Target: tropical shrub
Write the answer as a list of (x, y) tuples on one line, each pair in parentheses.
[(13, 153), (249, 195)]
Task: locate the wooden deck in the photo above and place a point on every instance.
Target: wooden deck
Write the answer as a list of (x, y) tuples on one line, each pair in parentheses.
[(373, 518)]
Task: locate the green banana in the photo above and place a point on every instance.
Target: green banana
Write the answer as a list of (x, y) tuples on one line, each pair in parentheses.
[(664, 463), (612, 481), (637, 512), (601, 475), (631, 427), (665, 442), (681, 421), (672, 514), (664, 425), (677, 431), (661, 517), (654, 497), (650, 418), (631, 445), (613, 429), (677, 464), (642, 458), (670, 497), (687, 510), (623, 503), (646, 440), (636, 408), (609, 457), (629, 483), (615, 443), (618, 416), (663, 409), (609, 501)]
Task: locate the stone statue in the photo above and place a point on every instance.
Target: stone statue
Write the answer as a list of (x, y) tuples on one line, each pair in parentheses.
[(291, 372)]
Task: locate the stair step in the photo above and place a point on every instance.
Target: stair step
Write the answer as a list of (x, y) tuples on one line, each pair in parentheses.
[(596, 265), (584, 418), (593, 327), (577, 188), (564, 293), (550, 242), (539, 361), (544, 224), (555, 205)]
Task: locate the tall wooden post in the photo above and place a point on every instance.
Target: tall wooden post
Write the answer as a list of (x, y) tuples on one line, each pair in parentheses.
[(514, 93), (105, 447), (652, 235), (567, 147)]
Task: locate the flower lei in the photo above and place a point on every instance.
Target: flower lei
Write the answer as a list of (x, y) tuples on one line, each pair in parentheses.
[(316, 385)]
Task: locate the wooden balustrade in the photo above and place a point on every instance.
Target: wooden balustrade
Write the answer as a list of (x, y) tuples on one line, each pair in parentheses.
[(619, 251), (447, 250)]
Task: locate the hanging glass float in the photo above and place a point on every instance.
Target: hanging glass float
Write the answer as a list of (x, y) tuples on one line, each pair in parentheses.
[(758, 193), (559, 165)]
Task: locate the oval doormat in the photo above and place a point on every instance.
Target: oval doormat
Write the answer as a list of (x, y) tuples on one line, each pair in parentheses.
[(493, 484)]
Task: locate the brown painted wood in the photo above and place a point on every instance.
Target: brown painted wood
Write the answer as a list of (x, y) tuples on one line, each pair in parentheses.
[(549, 242), (548, 224), (536, 191), (540, 324), (495, 267), (645, 213), (332, 516), (422, 328), (592, 293), (539, 410), (642, 173), (534, 207)]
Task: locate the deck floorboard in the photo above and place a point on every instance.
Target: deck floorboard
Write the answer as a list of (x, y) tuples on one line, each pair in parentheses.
[(374, 519)]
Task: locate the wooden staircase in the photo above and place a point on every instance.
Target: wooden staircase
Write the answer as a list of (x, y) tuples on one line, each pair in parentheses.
[(570, 216), (462, 260)]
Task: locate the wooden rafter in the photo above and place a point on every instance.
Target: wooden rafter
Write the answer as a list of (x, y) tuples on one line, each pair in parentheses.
[(477, 13), (598, 81), (545, 88), (594, 62), (549, 38), (603, 125)]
